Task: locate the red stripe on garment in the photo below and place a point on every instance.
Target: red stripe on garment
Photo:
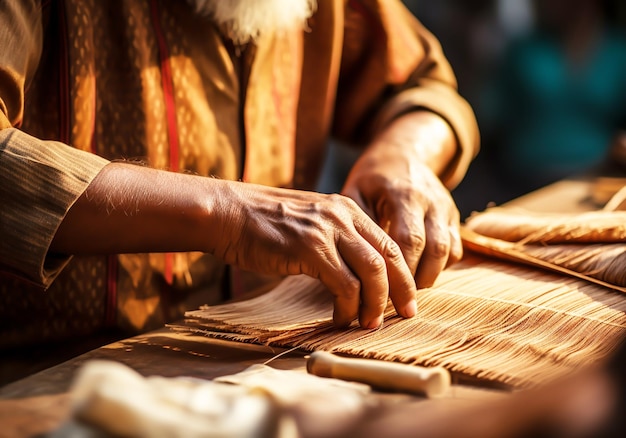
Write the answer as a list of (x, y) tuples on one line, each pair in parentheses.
[(168, 88), (170, 110)]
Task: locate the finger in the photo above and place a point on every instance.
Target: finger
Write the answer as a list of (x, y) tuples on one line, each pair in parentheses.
[(436, 252), (341, 282), (370, 268), (456, 245), (406, 228), (400, 279)]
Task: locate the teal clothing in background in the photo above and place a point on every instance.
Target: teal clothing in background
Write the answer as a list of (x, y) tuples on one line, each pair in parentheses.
[(555, 118)]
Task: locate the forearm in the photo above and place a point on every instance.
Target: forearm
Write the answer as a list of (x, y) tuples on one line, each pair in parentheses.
[(420, 137), (400, 182), (129, 208), (269, 230)]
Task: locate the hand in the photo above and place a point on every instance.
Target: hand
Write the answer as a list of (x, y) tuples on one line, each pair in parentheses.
[(129, 209), (328, 237), (398, 188)]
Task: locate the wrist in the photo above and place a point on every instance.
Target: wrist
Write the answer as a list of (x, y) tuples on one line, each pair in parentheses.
[(211, 213), (419, 137)]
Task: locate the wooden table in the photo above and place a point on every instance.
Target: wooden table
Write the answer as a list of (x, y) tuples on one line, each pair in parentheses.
[(39, 404)]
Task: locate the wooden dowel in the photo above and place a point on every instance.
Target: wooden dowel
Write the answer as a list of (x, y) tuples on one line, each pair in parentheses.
[(389, 376)]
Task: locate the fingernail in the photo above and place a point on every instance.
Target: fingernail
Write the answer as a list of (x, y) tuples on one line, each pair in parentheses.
[(375, 323), (410, 310)]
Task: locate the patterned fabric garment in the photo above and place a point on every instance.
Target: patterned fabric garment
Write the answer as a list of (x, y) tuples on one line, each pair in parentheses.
[(152, 82)]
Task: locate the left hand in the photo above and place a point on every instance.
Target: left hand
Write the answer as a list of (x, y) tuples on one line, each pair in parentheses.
[(396, 184)]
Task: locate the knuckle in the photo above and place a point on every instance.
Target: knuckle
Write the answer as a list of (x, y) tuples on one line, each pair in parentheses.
[(439, 249), (439, 243), (456, 253), (411, 239), (336, 198), (343, 201), (350, 287), (455, 256), (377, 263), (338, 208), (316, 240), (391, 251)]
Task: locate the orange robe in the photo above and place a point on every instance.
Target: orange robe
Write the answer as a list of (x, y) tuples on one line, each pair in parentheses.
[(151, 81)]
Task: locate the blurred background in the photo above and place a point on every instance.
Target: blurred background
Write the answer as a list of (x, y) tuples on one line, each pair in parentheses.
[(547, 80)]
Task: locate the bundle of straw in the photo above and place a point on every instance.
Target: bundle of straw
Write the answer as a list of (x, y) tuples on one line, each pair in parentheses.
[(526, 227), (589, 245)]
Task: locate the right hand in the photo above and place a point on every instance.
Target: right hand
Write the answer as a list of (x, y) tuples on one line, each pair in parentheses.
[(328, 237)]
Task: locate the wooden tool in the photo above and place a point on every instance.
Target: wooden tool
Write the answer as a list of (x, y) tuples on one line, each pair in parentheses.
[(390, 376)]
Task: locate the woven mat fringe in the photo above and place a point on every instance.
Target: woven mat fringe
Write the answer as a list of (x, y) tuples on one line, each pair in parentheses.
[(499, 323)]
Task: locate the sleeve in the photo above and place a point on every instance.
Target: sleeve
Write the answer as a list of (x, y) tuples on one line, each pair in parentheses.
[(392, 64), (39, 180)]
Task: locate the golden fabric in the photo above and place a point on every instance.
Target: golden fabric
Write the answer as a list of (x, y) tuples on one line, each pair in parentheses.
[(150, 81)]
